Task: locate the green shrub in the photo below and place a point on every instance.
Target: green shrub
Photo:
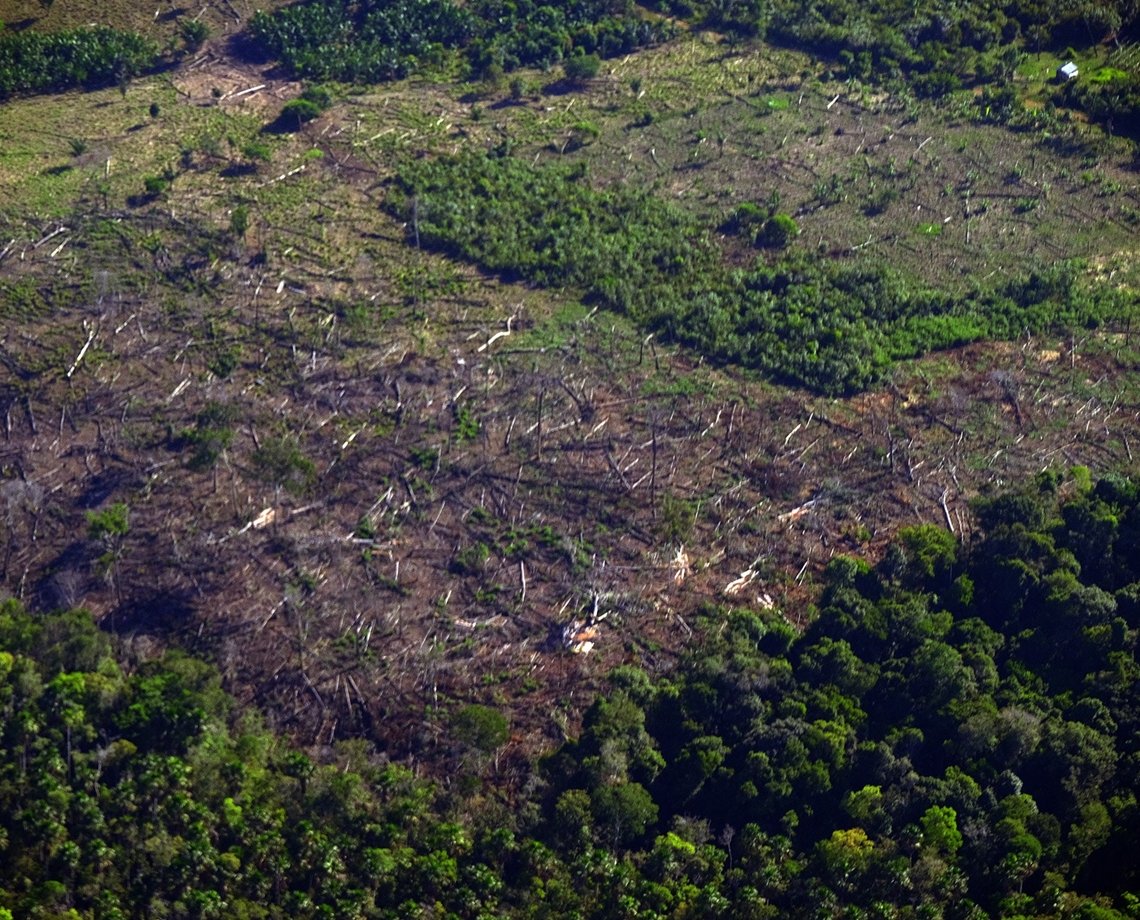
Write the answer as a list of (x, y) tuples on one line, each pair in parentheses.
[(481, 727), (582, 67), (582, 134), (746, 218), (239, 220), (299, 111), (303, 109), (194, 33), (320, 96), (211, 435), (471, 559), (155, 185), (257, 150), (280, 462), (111, 523), (778, 231)]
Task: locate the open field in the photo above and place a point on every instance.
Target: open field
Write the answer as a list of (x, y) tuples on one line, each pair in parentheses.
[(372, 483), (158, 21)]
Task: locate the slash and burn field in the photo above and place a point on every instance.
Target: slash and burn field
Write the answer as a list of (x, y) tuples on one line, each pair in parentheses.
[(374, 482)]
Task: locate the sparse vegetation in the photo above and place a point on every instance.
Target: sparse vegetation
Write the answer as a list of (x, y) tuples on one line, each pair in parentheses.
[(836, 329), (280, 462)]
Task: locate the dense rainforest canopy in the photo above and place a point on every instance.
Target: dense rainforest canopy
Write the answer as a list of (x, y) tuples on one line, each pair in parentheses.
[(954, 735)]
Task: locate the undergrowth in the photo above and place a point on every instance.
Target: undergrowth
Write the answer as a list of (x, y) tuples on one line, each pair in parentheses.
[(831, 327)]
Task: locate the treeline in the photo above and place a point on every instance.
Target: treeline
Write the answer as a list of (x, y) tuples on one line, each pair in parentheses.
[(1113, 102), (41, 62), (369, 41), (956, 735), (142, 793), (938, 48), (942, 48), (935, 50), (830, 327)]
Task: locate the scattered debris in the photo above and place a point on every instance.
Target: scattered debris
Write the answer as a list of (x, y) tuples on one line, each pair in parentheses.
[(682, 567), (737, 585), (497, 335), (244, 92), (493, 622), (788, 516), (264, 519), (580, 635)]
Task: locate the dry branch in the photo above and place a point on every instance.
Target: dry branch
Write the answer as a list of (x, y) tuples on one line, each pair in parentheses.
[(797, 512), (946, 510), (82, 352), (244, 92), (60, 229)]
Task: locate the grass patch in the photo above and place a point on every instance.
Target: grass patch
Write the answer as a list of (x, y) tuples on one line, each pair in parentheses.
[(108, 142), (1107, 75)]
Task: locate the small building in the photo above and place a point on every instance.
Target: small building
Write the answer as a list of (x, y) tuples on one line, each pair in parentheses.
[(1066, 72)]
